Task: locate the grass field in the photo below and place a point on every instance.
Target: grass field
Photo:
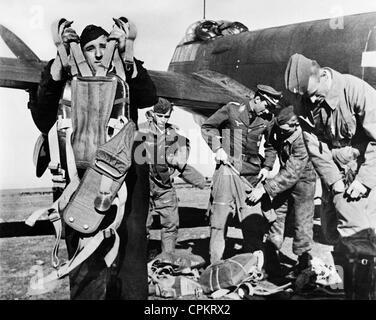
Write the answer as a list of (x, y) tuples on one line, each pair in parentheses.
[(22, 258)]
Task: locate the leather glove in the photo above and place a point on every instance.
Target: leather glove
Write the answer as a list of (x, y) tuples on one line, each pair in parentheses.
[(256, 194), (68, 36), (356, 190), (263, 174)]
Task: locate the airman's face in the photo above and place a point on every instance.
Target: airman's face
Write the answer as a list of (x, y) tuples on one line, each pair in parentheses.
[(318, 87), (160, 119), (259, 106), (94, 51), (287, 129)]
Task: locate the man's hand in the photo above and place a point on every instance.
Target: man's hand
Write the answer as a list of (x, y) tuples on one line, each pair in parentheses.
[(356, 190), (120, 35), (338, 187), (221, 155), (257, 193), (263, 174), (68, 36)]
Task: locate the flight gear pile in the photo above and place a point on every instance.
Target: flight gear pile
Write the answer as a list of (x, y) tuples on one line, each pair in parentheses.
[(175, 274)]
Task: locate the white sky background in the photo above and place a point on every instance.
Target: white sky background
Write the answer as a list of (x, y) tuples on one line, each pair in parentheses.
[(161, 25)]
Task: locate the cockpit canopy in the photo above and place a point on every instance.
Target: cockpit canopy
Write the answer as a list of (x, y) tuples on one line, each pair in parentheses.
[(208, 29)]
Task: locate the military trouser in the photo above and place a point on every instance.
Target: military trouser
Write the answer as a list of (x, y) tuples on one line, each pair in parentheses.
[(164, 202), (348, 217), (127, 277), (299, 200), (328, 216), (223, 205)]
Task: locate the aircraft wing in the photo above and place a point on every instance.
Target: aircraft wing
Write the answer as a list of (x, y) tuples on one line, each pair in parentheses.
[(20, 74), (200, 93)]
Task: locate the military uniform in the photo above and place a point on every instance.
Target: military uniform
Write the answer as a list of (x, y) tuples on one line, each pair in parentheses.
[(346, 119), (235, 129), (340, 134), (169, 152), (293, 186)]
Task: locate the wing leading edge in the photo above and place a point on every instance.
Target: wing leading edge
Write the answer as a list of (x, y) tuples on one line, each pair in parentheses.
[(199, 93)]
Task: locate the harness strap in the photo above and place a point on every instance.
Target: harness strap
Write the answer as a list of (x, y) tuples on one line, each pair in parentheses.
[(71, 164), (217, 277), (116, 125), (54, 216), (73, 66), (112, 53), (120, 100), (89, 245), (107, 58), (131, 30), (57, 28), (53, 212), (80, 60), (55, 166), (118, 63), (76, 60), (72, 170), (54, 148)]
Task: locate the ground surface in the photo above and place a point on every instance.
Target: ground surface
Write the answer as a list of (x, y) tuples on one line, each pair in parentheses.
[(22, 258)]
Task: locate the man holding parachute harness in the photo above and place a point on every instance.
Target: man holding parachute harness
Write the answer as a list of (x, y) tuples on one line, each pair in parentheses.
[(95, 94)]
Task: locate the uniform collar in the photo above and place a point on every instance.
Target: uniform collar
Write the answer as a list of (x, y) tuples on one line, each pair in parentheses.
[(335, 90), (244, 113), (294, 136)]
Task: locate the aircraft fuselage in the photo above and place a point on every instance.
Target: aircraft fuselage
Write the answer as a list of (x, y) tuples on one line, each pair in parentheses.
[(261, 56)]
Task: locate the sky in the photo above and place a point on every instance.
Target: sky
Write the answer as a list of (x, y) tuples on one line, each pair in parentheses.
[(161, 24)]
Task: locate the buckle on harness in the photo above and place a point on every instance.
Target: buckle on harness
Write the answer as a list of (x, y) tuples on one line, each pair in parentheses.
[(107, 233), (113, 172), (53, 215)]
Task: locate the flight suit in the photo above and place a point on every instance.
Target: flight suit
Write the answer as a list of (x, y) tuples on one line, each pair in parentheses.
[(169, 152), (347, 118), (292, 188), (341, 141), (239, 133)]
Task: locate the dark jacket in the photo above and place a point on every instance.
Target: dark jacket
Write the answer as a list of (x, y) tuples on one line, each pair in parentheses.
[(168, 152), (44, 110), (234, 129), (294, 162)]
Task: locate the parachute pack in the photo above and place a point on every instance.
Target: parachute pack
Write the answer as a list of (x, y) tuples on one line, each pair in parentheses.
[(93, 134)]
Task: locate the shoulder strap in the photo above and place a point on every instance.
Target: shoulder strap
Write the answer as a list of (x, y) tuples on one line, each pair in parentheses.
[(80, 60), (112, 54), (131, 30), (76, 60), (109, 55), (57, 28)]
